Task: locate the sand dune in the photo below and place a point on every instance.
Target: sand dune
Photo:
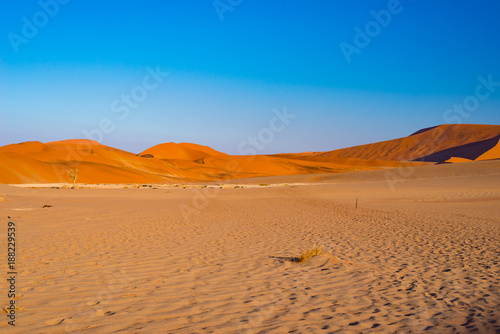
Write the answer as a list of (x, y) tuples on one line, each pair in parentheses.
[(435, 144), (33, 162), (36, 162), (421, 257)]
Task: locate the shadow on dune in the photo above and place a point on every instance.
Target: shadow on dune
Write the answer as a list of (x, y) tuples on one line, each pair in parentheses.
[(468, 151)]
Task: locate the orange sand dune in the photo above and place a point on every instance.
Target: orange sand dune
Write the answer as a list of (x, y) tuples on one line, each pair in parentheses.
[(51, 162), (435, 144), (35, 162)]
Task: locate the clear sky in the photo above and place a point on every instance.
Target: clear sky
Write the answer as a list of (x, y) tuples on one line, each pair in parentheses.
[(351, 72)]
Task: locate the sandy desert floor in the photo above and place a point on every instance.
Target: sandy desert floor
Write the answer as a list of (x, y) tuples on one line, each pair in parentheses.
[(420, 254)]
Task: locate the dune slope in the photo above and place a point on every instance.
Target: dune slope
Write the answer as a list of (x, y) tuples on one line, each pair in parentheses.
[(435, 144)]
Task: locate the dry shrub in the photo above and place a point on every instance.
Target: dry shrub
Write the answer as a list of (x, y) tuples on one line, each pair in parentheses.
[(309, 253)]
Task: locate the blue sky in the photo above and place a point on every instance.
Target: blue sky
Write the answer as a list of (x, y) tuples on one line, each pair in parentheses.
[(225, 77)]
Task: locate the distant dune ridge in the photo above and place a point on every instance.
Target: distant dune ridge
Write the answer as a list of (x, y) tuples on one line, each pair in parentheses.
[(435, 144), (36, 162)]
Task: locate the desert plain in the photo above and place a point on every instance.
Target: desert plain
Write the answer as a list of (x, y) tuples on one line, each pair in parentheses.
[(420, 254)]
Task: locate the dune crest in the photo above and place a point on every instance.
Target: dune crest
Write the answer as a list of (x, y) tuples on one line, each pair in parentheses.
[(183, 151), (24, 148), (83, 142)]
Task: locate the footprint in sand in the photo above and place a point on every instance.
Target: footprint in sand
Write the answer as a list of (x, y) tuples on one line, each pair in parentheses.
[(101, 313), (55, 321)]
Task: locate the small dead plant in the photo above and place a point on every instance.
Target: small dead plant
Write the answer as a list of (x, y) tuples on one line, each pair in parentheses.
[(315, 250)]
